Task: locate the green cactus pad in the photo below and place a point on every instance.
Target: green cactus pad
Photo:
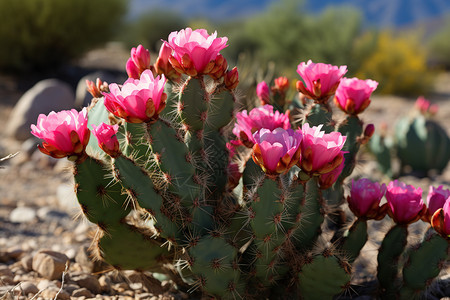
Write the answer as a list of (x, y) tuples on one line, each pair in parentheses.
[(354, 239), (379, 146), (126, 248), (391, 248), (323, 278), (352, 128), (422, 144), (423, 263), (140, 185), (220, 111), (214, 264), (312, 217), (100, 196), (97, 114), (320, 115), (173, 160), (193, 100)]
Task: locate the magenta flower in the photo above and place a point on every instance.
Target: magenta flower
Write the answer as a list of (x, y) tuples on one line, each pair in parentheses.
[(353, 94), (139, 100), (163, 66), (435, 200), (365, 197), (425, 107), (107, 138), (138, 62), (321, 79), (405, 205), (259, 117), (441, 220), (194, 51), (321, 152), (64, 133), (263, 92), (276, 151)]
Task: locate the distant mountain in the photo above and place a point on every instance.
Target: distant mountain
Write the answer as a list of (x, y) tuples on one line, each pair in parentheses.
[(396, 13), (379, 13)]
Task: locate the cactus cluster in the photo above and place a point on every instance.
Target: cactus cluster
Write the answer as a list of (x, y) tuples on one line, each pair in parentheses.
[(419, 143), (235, 203)]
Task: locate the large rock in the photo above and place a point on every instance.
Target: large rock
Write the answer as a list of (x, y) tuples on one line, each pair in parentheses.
[(50, 264), (83, 97), (46, 96)]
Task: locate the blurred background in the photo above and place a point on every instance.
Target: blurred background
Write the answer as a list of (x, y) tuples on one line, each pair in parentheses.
[(402, 44)]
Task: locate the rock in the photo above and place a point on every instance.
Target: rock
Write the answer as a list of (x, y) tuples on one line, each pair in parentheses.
[(70, 287), (27, 262), (7, 280), (105, 283), (29, 288), (144, 296), (22, 215), (45, 284), (83, 97), (46, 96), (88, 281), (50, 264), (55, 293), (5, 271), (139, 280), (83, 292)]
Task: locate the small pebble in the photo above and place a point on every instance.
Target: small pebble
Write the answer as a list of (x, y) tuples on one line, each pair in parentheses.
[(22, 215), (82, 292)]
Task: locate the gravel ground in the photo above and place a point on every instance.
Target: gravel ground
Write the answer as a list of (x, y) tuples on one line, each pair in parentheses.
[(36, 216)]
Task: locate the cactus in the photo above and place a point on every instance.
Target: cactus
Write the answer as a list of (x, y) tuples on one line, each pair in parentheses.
[(167, 183), (419, 142)]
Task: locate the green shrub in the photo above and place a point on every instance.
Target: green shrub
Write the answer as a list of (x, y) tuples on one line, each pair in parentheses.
[(287, 35), (43, 34), (150, 27), (397, 63)]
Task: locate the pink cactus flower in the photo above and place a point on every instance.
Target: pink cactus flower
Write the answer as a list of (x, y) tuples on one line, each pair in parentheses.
[(259, 117), (425, 107), (107, 138), (64, 133), (321, 79), (263, 92), (441, 220), (276, 151), (138, 62), (365, 197), (321, 152), (328, 179), (353, 94), (163, 66), (194, 51), (435, 200), (405, 205), (139, 100)]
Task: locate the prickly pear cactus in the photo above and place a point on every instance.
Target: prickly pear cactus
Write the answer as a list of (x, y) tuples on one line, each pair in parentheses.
[(422, 144), (177, 178)]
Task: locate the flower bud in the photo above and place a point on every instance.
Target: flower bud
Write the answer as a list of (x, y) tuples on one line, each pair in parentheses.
[(107, 138), (231, 79), (263, 93)]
